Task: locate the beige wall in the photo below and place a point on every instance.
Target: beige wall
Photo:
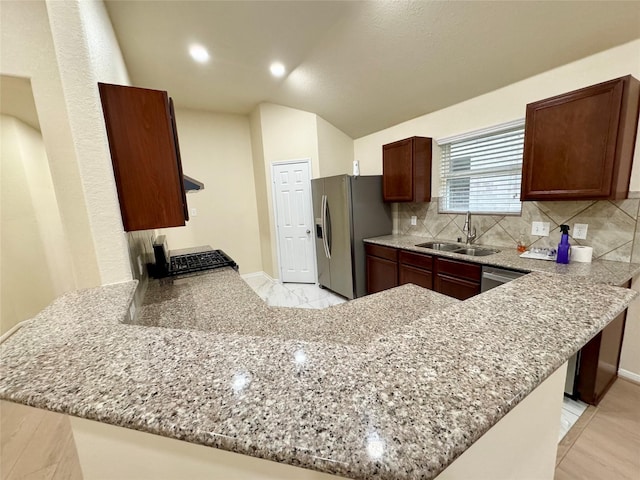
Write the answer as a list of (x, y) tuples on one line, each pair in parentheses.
[(216, 149), (87, 53), (630, 356), (34, 253), (278, 133), (27, 50), (65, 48), (262, 190), (507, 104), (335, 150)]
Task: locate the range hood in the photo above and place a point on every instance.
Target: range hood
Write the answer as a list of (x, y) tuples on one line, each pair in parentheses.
[(191, 184)]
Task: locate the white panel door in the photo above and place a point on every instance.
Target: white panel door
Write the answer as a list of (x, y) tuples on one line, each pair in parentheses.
[(294, 222)]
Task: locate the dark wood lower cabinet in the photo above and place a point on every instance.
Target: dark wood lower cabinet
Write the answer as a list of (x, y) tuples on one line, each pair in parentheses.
[(382, 268), (389, 267), (456, 287), (415, 268), (456, 278), (417, 276), (599, 361)]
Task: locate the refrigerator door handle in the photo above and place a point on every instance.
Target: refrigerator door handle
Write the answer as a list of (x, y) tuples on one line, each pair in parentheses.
[(324, 225), (325, 242)]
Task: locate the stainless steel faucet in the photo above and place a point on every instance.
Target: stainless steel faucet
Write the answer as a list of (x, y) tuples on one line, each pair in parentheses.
[(470, 235)]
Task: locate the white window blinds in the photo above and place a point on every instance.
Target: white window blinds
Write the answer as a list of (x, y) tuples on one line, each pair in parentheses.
[(482, 172)]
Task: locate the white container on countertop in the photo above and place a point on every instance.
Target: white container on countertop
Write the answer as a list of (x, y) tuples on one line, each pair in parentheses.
[(581, 254)]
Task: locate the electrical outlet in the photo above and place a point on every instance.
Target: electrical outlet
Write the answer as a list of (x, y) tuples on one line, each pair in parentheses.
[(540, 229), (580, 231), (193, 212), (414, 220)]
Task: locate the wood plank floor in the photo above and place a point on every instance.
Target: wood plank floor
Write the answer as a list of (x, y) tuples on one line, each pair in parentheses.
[(603, 444), (36, 445)]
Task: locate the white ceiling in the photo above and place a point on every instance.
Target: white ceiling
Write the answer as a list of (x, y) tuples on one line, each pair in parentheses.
[(361, 65)]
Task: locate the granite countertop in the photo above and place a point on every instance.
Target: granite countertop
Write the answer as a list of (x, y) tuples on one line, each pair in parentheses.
[(599, 271), (395, 385), (203, 303)]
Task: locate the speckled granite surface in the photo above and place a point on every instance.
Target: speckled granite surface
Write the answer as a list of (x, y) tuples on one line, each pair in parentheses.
[(203, 303), (599, 271), (394, 386)]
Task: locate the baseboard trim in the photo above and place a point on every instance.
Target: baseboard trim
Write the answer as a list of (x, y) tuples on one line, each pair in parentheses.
[(627, 375), (14, 329), (258, 274), (253, 274)]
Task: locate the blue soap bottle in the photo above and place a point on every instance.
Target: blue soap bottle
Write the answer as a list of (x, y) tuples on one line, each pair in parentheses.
[(563, 246)]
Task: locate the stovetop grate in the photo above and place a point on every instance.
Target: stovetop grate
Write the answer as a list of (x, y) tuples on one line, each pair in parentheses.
[(195, 262)]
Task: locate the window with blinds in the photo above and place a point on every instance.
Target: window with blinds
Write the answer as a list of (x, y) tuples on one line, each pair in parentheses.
[(482, 172)]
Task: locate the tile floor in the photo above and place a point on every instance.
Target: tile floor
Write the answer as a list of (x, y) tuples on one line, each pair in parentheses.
[(571, 412), (298, 295)]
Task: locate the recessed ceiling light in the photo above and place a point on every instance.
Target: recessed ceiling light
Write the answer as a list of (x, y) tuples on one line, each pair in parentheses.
[(199, 53), (277, 69)]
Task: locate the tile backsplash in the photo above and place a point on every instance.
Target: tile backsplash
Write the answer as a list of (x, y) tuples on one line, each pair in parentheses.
[(140, 246), (613, 231)]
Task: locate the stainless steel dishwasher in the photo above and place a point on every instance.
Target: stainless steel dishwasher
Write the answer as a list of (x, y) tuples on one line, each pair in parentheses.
[(493, 277)]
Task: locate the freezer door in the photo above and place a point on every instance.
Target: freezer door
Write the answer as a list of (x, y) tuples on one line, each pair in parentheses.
[(338, 192), (371, 217), (317, 196)]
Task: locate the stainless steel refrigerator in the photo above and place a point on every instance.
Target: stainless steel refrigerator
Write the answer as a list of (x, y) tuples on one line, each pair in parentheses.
[(347, 209)]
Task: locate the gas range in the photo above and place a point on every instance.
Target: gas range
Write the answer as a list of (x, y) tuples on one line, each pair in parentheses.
[(187, 260), (196, 262)]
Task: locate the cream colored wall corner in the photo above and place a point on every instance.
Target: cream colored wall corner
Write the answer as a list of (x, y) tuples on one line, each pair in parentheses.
[(35, 260), (87, 53), (216, 149), (335, 150), (27, 50), (278, 133), (262, 189)]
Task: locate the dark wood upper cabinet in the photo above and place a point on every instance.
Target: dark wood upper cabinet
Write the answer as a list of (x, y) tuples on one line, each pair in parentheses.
[(406, 170), (145, 156), (580, 145)]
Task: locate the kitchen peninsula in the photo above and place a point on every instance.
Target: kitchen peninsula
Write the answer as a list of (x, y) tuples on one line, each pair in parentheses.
[(393, 385)]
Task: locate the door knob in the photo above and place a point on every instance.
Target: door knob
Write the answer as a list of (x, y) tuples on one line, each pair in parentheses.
[(308, 232)]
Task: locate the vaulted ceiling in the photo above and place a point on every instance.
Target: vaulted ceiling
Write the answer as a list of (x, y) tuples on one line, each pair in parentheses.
[(361, 65)]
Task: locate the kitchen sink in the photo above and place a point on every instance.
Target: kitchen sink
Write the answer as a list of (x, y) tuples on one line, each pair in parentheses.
[(476, 252), (447, 247), (455, 248)]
